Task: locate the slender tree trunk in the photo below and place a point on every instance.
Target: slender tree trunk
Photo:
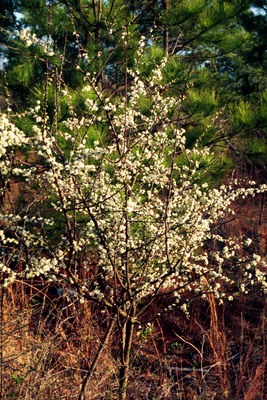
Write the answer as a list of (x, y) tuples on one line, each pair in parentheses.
[(98, 15), (166, 30), (126, 345), (166, 41), (94, 363)]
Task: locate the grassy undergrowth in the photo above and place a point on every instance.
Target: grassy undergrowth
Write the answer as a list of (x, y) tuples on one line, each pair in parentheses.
[(48, 344)]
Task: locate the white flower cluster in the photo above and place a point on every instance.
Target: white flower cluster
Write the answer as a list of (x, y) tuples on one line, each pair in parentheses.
[(31, 38), (10, 138), (10, 135), (28, 37)]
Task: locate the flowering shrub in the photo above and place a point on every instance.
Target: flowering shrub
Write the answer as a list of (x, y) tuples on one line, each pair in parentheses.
[(135, 195)]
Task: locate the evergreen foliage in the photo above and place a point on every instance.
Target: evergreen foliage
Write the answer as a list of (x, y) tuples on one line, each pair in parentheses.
[(201, 38)]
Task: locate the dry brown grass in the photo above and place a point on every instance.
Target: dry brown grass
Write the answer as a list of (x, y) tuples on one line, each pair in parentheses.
[(48, 346)]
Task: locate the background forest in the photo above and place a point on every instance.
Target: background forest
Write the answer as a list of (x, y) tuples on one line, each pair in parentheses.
[(133, 157)]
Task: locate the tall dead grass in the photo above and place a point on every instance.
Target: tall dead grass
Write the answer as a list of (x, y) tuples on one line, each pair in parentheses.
[(48, 345)]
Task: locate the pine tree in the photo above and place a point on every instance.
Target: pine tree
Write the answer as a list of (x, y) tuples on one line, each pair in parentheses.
[(240, 79), (195, 36)]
